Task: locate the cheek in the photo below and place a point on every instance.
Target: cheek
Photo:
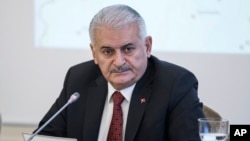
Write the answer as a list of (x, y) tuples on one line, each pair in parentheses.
[(98, 60), (140, 62), (95, 60), (104, 66), (141, 57)]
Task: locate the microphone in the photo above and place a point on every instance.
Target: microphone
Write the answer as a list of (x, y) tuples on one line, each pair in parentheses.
[(75, 96)]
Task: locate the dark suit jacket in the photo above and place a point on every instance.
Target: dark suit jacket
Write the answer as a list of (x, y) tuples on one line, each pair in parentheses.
[(169, 113)]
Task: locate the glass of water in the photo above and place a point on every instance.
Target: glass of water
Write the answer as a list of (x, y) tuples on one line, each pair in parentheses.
[(213, 129)]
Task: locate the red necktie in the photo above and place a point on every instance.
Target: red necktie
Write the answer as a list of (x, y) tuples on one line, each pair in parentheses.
[(115, 129)]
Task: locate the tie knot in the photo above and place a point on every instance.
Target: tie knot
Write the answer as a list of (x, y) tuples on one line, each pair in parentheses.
[(117, 98)]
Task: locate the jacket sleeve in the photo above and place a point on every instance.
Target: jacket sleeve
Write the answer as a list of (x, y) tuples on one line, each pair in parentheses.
[(184, 109)]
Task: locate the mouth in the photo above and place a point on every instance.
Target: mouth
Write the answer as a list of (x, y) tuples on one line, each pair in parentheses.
[(120, 70)]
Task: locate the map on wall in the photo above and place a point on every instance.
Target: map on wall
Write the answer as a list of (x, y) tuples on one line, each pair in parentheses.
[(213, 26)]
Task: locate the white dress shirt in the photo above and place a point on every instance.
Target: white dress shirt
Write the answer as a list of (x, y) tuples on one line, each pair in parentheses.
[(108, 111)]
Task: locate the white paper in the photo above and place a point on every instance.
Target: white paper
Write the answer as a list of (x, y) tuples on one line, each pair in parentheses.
[(46, 138)]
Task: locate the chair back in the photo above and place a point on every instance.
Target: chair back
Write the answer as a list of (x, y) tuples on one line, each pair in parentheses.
[(210, 113)]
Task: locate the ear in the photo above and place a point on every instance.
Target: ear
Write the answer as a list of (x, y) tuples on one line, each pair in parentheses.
[(148, 43), (93, 53)]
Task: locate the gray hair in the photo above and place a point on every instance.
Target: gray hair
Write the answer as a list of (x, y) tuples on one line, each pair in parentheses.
[(116, 16)]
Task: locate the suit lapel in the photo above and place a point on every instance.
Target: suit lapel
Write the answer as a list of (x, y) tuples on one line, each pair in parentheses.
[(137, 107), (94, 108), (139, 100)]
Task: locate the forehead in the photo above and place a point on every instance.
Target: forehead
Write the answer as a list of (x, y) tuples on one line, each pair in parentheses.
[(108, 36)]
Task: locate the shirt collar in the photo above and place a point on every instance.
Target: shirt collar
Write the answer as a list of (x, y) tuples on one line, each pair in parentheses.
[(127, 92)]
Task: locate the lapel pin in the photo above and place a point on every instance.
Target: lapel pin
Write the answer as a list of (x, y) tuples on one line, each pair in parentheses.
[(143, 100)]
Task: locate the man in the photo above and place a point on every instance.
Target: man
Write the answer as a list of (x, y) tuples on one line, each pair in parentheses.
[(160, 99)]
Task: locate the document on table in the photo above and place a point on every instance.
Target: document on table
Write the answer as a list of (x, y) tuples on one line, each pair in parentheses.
[(46, 138)]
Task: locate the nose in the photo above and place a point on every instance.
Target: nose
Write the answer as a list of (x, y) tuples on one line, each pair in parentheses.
[(119, 59)]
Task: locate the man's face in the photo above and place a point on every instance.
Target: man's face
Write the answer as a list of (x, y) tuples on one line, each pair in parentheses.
[(121, 54)]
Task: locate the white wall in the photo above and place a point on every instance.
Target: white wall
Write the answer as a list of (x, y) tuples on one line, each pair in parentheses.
[(31, 78)]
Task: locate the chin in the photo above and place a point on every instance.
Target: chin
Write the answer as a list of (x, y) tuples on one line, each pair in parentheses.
[(123, 84)]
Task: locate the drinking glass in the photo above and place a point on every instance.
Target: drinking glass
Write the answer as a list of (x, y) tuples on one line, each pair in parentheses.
[(213, 129)]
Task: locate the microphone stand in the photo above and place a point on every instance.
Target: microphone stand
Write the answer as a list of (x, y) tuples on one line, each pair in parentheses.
[(72, 99)]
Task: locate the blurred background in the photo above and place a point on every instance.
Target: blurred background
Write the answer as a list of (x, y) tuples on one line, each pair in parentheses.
[(41, 39)]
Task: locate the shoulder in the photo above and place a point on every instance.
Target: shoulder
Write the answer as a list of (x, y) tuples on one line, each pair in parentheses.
[(166, 74), (84, 72), (84, 67), (170, 69)]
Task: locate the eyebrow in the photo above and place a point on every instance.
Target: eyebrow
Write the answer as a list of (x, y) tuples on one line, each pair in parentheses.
[(128, 44)]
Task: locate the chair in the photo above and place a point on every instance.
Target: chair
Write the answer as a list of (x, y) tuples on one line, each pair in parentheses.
[(210, 113)]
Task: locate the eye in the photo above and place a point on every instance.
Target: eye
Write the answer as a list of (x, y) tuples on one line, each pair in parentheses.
[(107, 51), (128, 49)]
